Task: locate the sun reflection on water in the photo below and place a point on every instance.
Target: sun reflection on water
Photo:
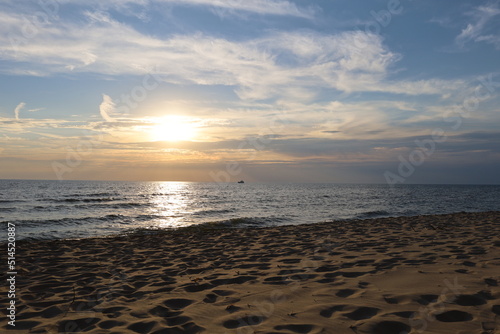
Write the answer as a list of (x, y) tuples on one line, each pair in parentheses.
[(171, 204)]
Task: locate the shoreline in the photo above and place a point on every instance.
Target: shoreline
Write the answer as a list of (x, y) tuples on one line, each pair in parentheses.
[(432, 273), (219, 226)]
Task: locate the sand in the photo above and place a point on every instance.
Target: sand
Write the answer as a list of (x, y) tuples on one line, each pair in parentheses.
[(425, 274)]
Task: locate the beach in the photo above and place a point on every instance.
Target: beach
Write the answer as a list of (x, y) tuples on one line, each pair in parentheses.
[(421, 274)]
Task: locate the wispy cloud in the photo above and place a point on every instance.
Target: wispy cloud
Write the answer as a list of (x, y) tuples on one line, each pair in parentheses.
[(219, 7), (288, 64), (18, 109), (263, 7), (21, 106), (106, 107), (476, 31)]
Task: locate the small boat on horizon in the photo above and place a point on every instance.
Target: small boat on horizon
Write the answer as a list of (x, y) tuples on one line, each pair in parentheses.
[(241, 181)]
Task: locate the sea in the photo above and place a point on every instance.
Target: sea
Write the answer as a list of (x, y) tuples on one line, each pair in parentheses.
[(82, 209)]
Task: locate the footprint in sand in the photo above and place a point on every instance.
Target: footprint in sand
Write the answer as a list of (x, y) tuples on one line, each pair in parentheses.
[(469, 300), (164, 289), (404, 314), (84, 305), (391, 300), (303, 329), (47, 313), (363, 263), (198, 287), (178, 303), (362, 313), (142, 327), (488, 326), (163, 312), (180, 320), (223, 292), (491, 281), (390, 327), (302, 277), (363, 285), (326, 268), (462, 271), (231, 308), (139, 314), (344, 293), (353, 274), (427, 299), (326, 280), (108, 324), (235, 280), (113, 312), (290, 261), (77, 325), (277, 280), (210, 298), (290, 272), (453, 316), (328, 312), (247, 320), (190, 328)]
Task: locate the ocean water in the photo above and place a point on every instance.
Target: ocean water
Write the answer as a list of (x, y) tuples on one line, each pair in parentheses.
[(78, 209)]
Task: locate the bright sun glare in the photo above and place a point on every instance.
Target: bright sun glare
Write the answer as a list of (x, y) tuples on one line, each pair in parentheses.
[(173, 128)]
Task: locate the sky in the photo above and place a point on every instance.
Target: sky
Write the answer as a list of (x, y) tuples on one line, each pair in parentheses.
[(342, 91)]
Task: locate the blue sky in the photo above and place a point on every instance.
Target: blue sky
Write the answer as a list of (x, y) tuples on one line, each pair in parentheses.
[(287, 91)]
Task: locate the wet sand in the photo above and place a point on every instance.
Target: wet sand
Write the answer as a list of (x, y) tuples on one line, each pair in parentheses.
[(425, 274)]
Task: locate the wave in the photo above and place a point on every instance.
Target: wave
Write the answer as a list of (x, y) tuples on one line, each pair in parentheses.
[(67, 221), (112, 205), (84, 200), (212, 212), (47, 208), (373, 214), (240, 222), (233, 223), (93, 206), (8, 209), (104, 194), (12, 201)]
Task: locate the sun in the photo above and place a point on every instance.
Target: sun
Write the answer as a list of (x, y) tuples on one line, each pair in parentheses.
[(173, 128)]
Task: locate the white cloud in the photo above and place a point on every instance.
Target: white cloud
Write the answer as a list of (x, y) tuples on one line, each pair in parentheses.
[(18, 109), (264, 7), (21, 106), (106, 108), (482, 15), (280, 64), (221, 7), (36, 109), (491, 39)]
